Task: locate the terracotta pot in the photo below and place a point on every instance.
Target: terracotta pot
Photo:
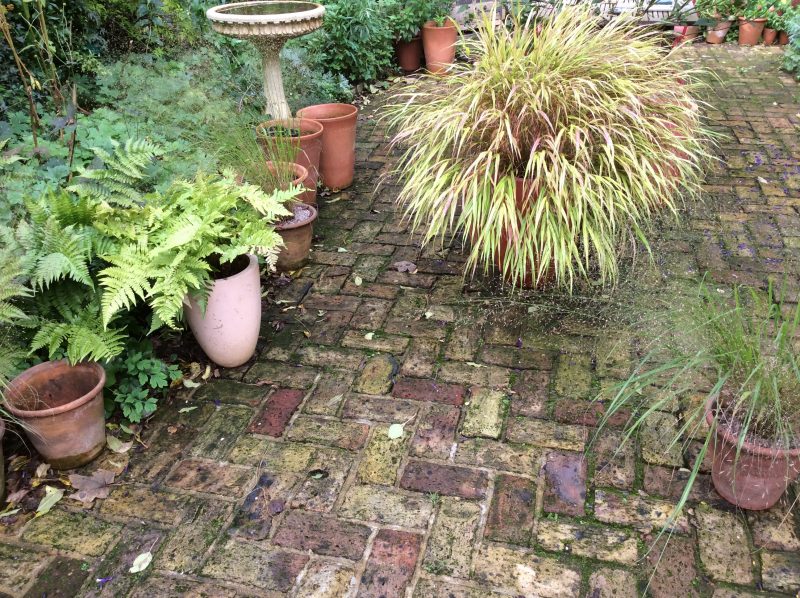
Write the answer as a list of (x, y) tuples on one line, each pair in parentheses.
[(717, 33), (750, 31), (228, 329), (783, 38), (296, 235), (409, 54), (685, 33), (440, 45), (338, 158), (308, 148), (770, 36), (61, 409), (2, 462), (758, 477), (291, 173)]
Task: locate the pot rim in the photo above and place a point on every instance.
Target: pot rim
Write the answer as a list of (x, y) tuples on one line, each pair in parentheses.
[(72, 405), (296, 122), (253, 263), (748, 447), (280, 228), (350, 108), (300, 172), (450, 23), (759, 20)]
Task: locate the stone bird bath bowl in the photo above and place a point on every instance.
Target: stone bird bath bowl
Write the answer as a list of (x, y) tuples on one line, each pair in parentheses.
[(268, 24)]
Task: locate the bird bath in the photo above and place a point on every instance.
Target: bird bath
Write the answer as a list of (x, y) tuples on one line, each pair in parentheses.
[(268, 24)]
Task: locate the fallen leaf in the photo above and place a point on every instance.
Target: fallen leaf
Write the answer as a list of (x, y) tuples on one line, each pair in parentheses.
[(190, 383), (172, 429), (51, 497), (395, 431), (195, 369), (9, 512), (207, 374), (98, 485), (404, 266), (428, 315), (117, 446), (17, 496), (141, 562), (42, 470), (475, 365), (358, 280), (186, 409), (369, 335), (17, 462), (340, 249)]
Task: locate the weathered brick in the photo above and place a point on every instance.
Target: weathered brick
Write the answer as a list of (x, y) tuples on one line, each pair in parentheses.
[(773, 529), (348, 359), (377, 376), (275, 415), (391, 564), (573, 375), (485, 413), (253, 565), (546, 434), (481, 452), (388, 343), (587, 413), (418, 389), (565, 483), (530, 393), (379, 409), (185, 548), (18, 566), (324, 481), (490, 376), (59, 577), (382, 457), (594, 542), (517, 358), (72, 532), (216, 438), (637, 511), (329, 393), (265, 501), (326, 579), (278, 373), (380, 504), (347, 435), (322, 534), (715, 529), (420, 358), (670, 567), (657, 437), (444, 479), (511, 514), (371, 314), (615, 461), (228, 391), (781, 571), (452, 536), (436, 432), (463, 343), (145, 503), (213, 477), (524, 573), (612, 583)]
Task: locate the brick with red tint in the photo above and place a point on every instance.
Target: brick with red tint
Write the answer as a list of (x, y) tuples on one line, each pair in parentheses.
[(587, 413), (275, 415), (565, 483), (436, 432), (391, 564), (444, 479), (304, 530), (418, 389), (511, 514)]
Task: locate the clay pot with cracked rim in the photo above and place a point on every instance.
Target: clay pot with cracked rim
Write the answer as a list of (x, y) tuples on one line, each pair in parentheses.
[(60, 407), (757, 477), (291, 173), (717, 33), (439, 44), (308, 146), (296, 233), (227, 330), (750, 31), (409, 54), (338, 159)]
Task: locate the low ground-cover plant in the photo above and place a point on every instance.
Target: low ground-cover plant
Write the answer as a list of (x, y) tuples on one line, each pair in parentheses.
[(791, 57), (599, 124)]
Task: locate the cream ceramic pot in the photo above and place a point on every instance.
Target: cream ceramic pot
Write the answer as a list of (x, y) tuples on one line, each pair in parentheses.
[(228, 331)]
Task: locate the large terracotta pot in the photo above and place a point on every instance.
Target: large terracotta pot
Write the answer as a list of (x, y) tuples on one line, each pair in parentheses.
[(440, 45), (783, 38), (228, 329), (750, 31), (409, 54), (770, 36), (685, 33), (758, 477), (296, 234), (308, 148), (717, 33), (290, 173), (60, 406), (338, 158)]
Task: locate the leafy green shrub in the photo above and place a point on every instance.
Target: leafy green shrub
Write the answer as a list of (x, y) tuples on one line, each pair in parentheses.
[(137, 380), (593, 116), (355, 40), (791, 56)]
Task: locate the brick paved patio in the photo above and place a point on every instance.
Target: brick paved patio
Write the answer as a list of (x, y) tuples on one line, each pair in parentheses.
[(284, 480)]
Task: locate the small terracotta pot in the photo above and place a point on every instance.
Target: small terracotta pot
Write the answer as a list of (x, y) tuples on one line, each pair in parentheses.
[(228, 329), (685, 33), (758, 477), (409, 54), (783, 38), (717, 33), (440, 45), (308, 144), (338, 158), (750, 31), (296, 235), (61, 409), (770, 36), (287, 173)]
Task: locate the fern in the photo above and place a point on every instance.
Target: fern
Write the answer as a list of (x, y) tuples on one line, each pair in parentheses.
[(123, 169)]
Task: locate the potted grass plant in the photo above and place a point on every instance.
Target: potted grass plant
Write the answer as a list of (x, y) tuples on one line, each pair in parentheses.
[(746, 413), (752, 20), (547, 151), (716, 16)]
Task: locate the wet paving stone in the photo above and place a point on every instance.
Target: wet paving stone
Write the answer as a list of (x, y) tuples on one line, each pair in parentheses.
[(61, 578), (212, 477), (387, 506), (449, 550), (781, 571), (391, 564), (252, 565), (347, 435), (429, 390), (565, 483), (485, 413), (275, 415), (229, 391), (146, 504), (435, 434), (322, 534), (523, 573), (598, 543), (19, 567), (216, 438), (422, 476), (72, 532), (511, 514), (185, 548)]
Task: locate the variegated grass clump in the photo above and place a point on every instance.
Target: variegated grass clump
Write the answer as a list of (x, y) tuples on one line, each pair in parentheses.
[(597, 117)]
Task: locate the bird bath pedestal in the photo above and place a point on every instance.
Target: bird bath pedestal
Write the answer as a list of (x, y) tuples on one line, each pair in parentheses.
[(268, 24)]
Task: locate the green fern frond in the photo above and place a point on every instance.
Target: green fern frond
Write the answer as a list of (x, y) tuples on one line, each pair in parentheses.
[(62, 253), (125, 281)]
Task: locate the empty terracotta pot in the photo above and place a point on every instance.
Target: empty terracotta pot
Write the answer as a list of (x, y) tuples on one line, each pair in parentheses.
[(409, 54), (60, 406), (228, 329), (338, 158), (717, 33), (296, 234), (440, 45), (750, 31), (770, 36), (308, 147), (783, 38), (756, 478), (290, 173)]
